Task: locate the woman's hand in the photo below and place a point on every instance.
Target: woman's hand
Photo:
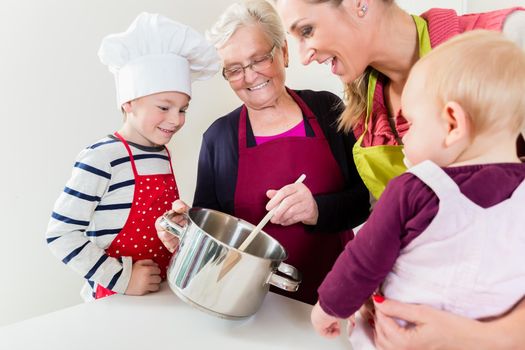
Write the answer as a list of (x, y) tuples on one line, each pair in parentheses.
[(435, 329), (368, 312), (326, 325), (295, 204), (170, 241)]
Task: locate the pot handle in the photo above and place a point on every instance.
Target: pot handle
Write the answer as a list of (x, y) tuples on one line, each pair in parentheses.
[(287, 284), (171, 227)]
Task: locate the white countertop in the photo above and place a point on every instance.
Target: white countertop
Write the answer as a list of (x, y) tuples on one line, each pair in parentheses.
[(162, 321)]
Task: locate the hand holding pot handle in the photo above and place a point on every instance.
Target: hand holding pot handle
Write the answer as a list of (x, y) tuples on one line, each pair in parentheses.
[(177, 215)]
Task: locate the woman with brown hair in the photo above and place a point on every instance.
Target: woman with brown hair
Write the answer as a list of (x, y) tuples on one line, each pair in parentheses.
[(372, 45)]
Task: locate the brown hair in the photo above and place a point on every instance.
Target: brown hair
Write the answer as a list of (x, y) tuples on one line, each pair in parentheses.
[(355, 92), (355, 101)]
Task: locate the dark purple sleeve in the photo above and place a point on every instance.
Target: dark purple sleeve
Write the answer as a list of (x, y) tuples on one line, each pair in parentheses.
[(396, 219), (205, 190), (218, 164)]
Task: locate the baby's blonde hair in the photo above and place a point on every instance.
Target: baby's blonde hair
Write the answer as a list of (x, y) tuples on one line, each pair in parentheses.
[(483, 72)]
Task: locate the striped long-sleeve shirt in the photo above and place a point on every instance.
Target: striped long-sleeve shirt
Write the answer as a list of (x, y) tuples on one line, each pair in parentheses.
[(94, 207)]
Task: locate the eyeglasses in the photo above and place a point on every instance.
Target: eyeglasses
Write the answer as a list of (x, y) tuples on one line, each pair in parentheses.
[(259, 64)]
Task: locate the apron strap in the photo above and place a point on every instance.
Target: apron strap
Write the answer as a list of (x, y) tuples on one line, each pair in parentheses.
[(307, 112), (371, 89), (437, 179), (242, 128), (423, 35), (424, 48), (131, 159), (169, 160)]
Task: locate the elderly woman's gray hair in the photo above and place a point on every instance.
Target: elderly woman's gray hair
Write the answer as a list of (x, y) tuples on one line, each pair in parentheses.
[(248, 13)]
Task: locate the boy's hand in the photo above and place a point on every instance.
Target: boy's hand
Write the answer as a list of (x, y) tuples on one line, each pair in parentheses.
[(170, 241), (326, 325), (145, 278)]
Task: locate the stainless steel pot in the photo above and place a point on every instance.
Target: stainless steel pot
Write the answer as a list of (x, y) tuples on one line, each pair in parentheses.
[(209, 272)]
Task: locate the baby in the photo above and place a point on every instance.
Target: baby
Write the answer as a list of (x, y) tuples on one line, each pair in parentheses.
[(449, 232)]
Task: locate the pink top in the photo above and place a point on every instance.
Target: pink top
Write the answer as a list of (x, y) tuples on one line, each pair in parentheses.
[(296, 131)]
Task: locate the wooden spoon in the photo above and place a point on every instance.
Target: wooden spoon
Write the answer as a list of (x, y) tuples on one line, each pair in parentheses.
[(234, 256), (263, 222)]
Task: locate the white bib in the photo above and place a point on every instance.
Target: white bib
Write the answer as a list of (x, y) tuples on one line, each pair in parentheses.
[(470, 260)]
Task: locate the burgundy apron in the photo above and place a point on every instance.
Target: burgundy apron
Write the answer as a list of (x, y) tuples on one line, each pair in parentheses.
[(138, 238), (280, 162)]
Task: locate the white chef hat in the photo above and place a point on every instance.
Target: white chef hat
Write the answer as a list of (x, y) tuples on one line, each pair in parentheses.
[(157, 54)]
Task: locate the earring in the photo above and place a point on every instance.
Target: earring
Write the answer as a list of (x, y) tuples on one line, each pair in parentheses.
[(362, 10)]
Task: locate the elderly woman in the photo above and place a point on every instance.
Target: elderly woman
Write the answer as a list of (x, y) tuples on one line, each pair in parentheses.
[(250, 157), (372, 45)]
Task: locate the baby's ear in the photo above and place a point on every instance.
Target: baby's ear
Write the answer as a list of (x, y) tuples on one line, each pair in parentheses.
[(457, 123)]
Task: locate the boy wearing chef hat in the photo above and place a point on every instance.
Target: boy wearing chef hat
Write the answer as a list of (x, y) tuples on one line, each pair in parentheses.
[(103, 223)]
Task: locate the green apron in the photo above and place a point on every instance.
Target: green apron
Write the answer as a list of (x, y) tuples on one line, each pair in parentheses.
[(377, 165)]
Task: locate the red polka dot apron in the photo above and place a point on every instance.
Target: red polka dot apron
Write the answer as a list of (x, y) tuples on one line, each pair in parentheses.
[(138, 238)]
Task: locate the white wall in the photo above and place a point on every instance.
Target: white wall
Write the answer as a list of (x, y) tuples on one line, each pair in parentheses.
[(417, 7), (488, 5), (56, 98)]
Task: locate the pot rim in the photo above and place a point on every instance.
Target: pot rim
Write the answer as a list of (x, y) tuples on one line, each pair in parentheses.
[(227, 245)]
